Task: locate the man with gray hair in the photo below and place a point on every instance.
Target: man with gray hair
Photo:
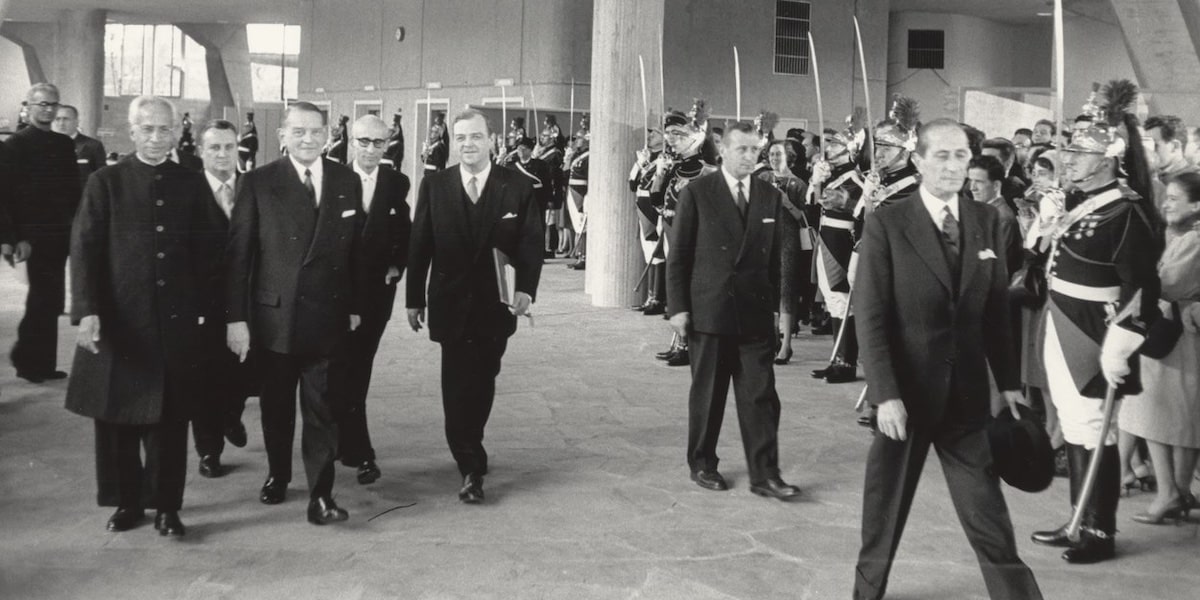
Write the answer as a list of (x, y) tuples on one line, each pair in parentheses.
[(45, 184), (147, 244)]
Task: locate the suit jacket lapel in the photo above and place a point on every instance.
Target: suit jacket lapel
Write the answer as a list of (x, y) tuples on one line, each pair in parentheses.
[(972, 235), (328, 209), (492, 197), (922, 237), (730, 219), (758, 210), (452, 197), (290, 191)]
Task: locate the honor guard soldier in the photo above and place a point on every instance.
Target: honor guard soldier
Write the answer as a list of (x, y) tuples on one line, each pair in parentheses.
[(339, 143), (895, 140), (437, 146), (187, 142), (1104, 251), (765, 124), (641, 177), (549, 150), (248, 145), (393, 153), (840, 195), (516, 133), (681, 161), (536, 170), (577, 186)]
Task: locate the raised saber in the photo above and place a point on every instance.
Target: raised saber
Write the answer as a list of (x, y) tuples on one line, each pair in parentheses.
[(737, 82), (862, 63), (533, 100), (1089, 482), (645, 105), (812, 53), (503, 118), (571, 136)]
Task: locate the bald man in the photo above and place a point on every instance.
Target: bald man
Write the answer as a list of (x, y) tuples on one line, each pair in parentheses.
[(385, 251)]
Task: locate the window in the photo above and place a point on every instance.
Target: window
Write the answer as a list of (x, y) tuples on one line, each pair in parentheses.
[(274, 61), (152, 59), (926, 49), (791, 37)]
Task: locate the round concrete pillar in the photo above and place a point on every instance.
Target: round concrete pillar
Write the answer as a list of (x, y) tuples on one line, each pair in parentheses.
[(621, 31), (80, 72)]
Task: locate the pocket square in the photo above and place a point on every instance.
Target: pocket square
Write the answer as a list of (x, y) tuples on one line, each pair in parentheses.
[(348, 213), (509, 216), (392, 212), (768, 220), (986, 254)]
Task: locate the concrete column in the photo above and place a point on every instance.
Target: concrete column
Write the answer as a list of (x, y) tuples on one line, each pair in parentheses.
[(621, 31), (1163, 53), (80, 76)]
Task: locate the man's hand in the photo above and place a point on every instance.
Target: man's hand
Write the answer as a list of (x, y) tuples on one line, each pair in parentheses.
[(892, 419), (22, 251), (520, 305), (355, 321), (681, 322), (393, 275), (643, 157), (237, 337), (820, 173), (416, 316), (89, 334), (1014, 397)]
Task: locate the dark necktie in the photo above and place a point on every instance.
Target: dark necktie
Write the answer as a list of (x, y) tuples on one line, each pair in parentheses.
[(741, 201), (473, 191), (308, 185), (950, 231)]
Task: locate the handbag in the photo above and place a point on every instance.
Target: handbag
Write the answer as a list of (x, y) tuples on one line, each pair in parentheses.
[(1028, 285), (1162, 335)]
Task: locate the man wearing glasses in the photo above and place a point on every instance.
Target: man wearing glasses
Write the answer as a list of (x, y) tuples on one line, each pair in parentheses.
[(385, 252), (46, 192)]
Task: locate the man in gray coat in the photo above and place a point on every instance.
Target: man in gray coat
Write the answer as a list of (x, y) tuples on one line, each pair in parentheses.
[(147, 244)]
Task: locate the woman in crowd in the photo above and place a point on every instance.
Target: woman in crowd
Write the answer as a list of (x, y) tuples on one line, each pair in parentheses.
[(781, 157), (1167, 413)]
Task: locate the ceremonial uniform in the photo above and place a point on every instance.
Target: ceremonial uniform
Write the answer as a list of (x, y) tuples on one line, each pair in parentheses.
[(840, 229), (552, 155), (641, 178), (577, 188), (435, 156), (393, 153), (539, 174), (248, 145), (894, 185)]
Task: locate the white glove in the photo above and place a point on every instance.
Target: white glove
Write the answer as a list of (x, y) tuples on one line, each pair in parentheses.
[(1119, 345), (821, 172)]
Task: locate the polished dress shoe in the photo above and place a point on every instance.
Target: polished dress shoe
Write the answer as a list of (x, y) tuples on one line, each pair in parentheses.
[(273, 491), (680, 359), (666, 355), (710, 480), (236, 434), (1052, 537), (167, 523), (820, 373), (472, 489), (210, 466), (841, 373), (125, 519), (323, 510), (774, 487), (1093, 546), (654, 309), (368, 472)]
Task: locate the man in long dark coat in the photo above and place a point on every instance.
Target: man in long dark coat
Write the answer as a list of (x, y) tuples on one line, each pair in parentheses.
[(147, 242)]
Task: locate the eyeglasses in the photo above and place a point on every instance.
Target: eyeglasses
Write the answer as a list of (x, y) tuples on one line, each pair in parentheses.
[(365, 142), (43, 104)]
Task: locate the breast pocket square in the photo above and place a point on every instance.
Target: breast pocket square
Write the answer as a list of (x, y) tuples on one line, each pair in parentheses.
[(768, 220), (986, 254), (392, 212), (509, 216), (348, 213)]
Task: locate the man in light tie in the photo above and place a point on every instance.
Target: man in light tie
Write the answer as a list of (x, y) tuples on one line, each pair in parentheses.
[(228, 381)]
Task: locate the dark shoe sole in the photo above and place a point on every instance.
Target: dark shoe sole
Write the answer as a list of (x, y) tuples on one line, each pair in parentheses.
[(767, 493), (711, 486)]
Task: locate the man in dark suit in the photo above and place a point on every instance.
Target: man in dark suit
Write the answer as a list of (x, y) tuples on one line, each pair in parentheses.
[(11, 249), (89, 152), (294, 292), (462, 214), (227, 382), (933, 315), (45, 183), (146, 249), (385, 252), (723, 277)]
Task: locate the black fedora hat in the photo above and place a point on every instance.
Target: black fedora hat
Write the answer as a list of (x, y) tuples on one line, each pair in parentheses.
[(1021, 451)]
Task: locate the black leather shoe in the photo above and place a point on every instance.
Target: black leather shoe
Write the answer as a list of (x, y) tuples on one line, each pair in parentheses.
[(167, 523), (680, 359), (31, 377), (125, 519), (841, 374), (1053, 537), (820, 373), (655, 309), (210, 466), (710, 480), (472, 489), (273, 491), (368, 472), (236, 434), (323, 510), (667, 354), (1092, 547), (776, 488)]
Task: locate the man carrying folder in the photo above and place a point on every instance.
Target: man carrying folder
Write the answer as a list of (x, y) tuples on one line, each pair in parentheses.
[(463, 215)]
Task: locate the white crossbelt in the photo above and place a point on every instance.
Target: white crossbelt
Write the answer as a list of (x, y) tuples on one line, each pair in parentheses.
[(430, 167), (577, 181), (1085, 292), (643, 193), (837, 223)]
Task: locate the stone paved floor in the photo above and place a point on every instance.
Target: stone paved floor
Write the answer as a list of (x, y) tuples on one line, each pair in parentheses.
[(588, 498)]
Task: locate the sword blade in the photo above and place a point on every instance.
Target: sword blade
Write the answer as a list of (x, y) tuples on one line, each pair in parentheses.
[(862, 62), (737, 82), (645, 105), (812, 54)]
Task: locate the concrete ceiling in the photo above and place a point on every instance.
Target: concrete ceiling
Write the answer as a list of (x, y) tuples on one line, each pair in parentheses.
[(1009, 11), (167, 11)]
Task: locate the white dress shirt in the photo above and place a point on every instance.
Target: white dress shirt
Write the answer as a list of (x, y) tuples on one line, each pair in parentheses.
[(216, 184), (317, 170), (937, 207), (368, 185), (480, 178), (733, 187)]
